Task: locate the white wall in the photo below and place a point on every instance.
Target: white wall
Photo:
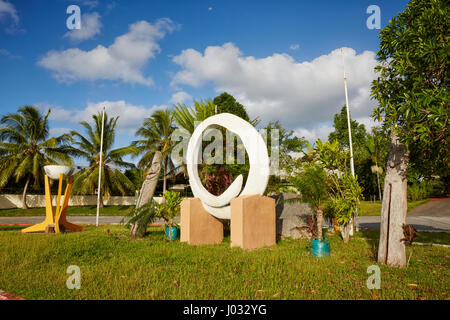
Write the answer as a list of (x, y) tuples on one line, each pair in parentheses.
[(10, 201)]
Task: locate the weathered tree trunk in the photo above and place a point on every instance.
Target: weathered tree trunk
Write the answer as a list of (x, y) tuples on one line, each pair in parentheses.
[(345, 231), (24, 195), (164, 177), (391, 251), (319, 215), (147, 190), (378, 182)]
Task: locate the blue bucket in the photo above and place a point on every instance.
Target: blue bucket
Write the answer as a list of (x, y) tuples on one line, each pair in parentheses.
[(171, 233), (320, 248)]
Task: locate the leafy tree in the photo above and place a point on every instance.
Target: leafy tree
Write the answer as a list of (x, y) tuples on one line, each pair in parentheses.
[(412, 92), (361, 157), (156, 133), (25, 148), (113, 180), (340, 132), (226, 103)]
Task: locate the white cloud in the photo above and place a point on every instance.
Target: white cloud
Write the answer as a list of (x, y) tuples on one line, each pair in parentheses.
[(321, 131), (56, 132), (123, 60), (88, 3), (180, 97), (294, 46), (6, 53), (130, 116), (90, 27), (302, 95), (7, 9), (8, 13)]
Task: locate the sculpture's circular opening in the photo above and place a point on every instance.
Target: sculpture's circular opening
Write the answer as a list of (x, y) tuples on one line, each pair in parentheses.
[(258, 175)]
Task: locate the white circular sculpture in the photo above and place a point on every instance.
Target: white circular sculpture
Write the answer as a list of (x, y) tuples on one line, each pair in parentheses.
[(54, 171), (258, 176)]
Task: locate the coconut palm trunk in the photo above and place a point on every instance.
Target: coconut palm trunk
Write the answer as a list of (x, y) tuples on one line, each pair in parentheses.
[(165, 177), (24, 195), (147, 190)]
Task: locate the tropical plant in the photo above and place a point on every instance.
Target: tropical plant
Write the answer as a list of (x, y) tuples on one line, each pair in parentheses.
[(169, 208), (141, 217), (410, 234), (312, 185), (25, 148), (156, 133), (113, 180), (412, 93), (187, 117), (345, 196), (343, 188)]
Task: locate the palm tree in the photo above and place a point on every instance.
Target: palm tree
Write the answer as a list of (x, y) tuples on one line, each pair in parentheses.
[(25, 148), (156, 133), (186, 117), (312, 185), (113, 180)]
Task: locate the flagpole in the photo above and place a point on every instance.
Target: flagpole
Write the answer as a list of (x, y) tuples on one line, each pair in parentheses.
[(100, 166), (352, 168)]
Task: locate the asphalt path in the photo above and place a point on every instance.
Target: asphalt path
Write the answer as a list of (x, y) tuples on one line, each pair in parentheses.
[(431, 216)]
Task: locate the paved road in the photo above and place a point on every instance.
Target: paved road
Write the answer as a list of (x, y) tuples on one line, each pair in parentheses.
[(431, 216)]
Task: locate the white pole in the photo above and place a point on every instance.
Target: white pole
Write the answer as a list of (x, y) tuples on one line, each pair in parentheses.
[(352, 168), (100, 168)]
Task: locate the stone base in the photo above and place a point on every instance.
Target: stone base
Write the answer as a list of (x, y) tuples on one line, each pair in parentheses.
[(197, 225), (253, 222)]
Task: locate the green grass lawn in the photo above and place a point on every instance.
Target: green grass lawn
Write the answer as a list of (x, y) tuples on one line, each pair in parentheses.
[(369, 208), (114, 266), (71, 211)]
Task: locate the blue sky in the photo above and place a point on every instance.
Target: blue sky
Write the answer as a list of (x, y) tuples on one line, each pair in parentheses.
[(281, 59)]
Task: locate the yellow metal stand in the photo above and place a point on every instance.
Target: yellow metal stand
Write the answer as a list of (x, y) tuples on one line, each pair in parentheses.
[(59, 221)]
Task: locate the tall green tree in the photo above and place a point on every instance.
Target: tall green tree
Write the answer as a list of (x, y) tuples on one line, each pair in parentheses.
[(25, 148), (412, 90), (226, 103), (113, 180), (156, 133), (340, 132)]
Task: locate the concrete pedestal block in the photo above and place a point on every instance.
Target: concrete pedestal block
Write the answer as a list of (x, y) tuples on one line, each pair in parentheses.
[(253, 222), (197, 225)]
